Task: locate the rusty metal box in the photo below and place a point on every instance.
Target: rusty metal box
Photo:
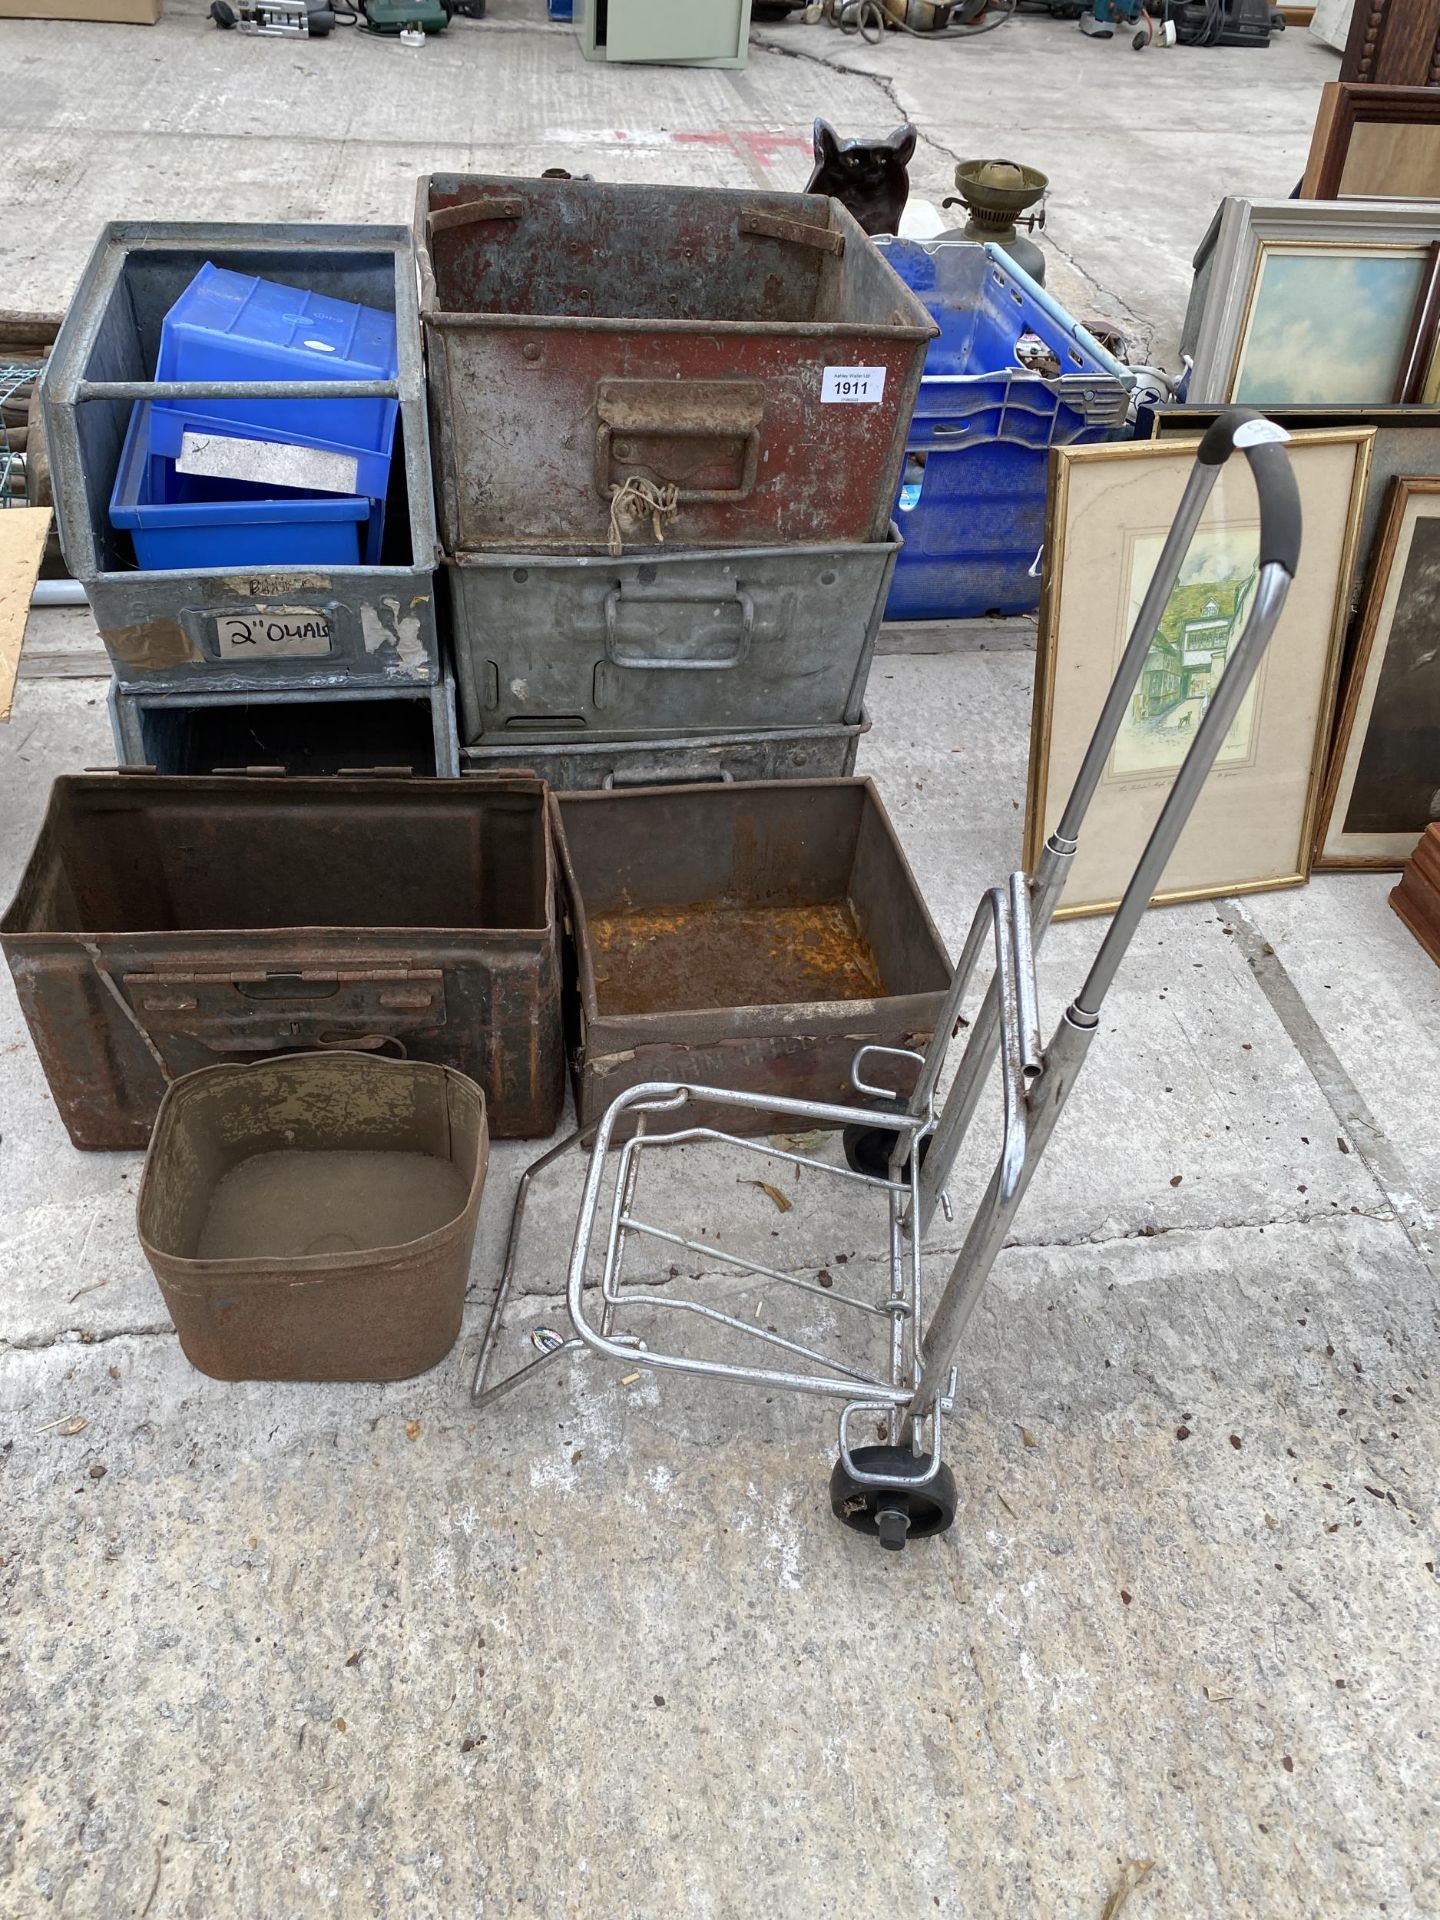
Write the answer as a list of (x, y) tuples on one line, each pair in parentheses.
[(748, 936), (313, 1218), (754, 351), (168, 922)]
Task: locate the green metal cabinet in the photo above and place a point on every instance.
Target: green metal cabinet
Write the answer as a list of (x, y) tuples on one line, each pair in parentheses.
[(681, 33)]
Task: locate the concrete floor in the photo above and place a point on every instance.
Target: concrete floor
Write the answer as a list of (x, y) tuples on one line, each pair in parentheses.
[(603, 1652)]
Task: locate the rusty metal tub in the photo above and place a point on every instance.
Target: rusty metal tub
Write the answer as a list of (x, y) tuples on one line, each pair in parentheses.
[(167, 922), (313, 1218), (753, 350), (748, 935)]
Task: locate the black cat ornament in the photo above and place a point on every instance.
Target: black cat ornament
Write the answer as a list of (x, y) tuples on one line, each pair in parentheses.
[(867, 176)]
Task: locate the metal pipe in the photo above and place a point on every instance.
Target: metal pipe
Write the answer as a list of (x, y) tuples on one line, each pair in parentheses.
[(58, 593), (1198, 489), (239, 390), (993, 1218)]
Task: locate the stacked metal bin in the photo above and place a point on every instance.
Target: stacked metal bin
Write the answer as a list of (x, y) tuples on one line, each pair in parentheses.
[(285, 668), (668, 428)]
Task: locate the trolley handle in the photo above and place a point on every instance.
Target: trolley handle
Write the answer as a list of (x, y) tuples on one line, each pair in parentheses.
[(1263, 444)]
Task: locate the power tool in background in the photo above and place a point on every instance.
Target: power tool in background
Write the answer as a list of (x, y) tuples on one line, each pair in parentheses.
[(410, 20), (1190, 23)]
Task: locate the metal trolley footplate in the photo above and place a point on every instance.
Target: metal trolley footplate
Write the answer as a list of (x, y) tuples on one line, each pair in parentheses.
[(900, 1488)]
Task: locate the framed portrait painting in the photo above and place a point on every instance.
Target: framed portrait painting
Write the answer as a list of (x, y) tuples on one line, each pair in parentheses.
[(1253, 827), (1383, 786)]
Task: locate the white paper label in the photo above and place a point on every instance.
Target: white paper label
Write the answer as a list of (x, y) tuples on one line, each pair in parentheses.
[(287, 632), (262, 463), (1260, 433), (856, 386)]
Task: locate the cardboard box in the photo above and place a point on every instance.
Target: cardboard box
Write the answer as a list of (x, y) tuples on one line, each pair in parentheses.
[(130, 13)]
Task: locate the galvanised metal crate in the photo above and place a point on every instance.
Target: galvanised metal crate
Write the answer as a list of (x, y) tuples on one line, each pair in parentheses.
[(287, 729), (665, 642), (746, 362), (261, 626), (582, 762)]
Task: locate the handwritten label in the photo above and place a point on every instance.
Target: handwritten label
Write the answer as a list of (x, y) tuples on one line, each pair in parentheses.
[(856, 386), (287, 632)]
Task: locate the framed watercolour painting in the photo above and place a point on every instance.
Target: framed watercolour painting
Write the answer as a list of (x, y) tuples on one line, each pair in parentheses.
[(1383, 786), (1253, 826), (1312, 302)]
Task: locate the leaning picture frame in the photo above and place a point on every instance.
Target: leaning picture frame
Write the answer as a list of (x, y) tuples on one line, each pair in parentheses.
[(1310, 302), (1406, 441), (1374, 142), (1253, 827), (1382, 787)]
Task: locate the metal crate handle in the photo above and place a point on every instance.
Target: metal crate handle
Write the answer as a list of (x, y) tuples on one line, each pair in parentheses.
[(799, 233), (472, 213), (621, 656)]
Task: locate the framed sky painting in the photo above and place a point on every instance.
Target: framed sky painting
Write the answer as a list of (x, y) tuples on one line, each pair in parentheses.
[(1253, 826), (1311, 303), (1383, 785)]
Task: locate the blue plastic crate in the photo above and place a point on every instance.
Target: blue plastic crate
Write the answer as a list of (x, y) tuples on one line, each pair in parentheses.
[(562, 9), (369, 470), (971, 504), (233, 326), (179, 520)]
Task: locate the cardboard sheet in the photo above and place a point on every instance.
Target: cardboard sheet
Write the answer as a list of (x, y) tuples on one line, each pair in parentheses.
[(130, 13), (22, 542)]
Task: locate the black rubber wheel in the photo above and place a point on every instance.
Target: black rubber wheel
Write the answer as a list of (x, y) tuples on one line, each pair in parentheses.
[(892, 1515), (867, 1150)]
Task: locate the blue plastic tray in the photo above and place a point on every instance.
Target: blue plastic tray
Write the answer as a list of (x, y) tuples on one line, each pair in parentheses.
[(233, 326), (171, 420), (180, 521), (971, 505)]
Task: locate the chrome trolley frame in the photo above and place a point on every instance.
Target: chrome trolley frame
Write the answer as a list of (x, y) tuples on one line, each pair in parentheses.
[(902, 1489)]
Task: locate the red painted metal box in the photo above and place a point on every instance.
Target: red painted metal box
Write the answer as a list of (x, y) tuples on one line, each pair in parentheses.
[(591, 347)]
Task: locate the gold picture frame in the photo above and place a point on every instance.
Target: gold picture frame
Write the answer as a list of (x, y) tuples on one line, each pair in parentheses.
[(1109, 507), (1372, 810)]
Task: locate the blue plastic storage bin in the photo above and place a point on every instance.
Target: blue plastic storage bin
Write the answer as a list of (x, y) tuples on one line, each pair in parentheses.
[(971, 505), (368, 471), (562, 9), (233, 326), (178, 520)]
